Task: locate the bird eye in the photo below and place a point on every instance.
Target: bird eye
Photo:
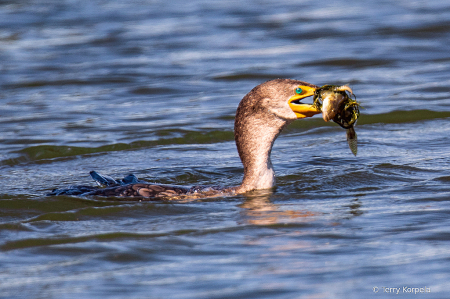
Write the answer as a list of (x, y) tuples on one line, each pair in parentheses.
[(298, 90)]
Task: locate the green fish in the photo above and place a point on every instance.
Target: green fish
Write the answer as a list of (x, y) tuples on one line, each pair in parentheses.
[(337, 104)]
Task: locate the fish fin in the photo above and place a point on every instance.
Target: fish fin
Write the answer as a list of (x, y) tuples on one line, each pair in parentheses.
[(352, 140)]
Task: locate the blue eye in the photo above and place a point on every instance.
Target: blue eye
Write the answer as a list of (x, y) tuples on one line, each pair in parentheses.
[(298, 90)]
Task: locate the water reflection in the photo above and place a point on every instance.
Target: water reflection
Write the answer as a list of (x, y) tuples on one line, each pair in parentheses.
[(258, 209), (355, 207)]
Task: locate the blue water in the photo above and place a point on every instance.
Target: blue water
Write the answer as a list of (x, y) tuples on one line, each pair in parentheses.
[(151, 88)]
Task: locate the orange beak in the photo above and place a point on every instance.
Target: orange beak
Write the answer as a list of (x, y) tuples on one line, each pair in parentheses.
[(300, 109)]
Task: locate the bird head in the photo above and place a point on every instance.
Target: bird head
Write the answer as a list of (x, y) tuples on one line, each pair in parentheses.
[(286, 99)]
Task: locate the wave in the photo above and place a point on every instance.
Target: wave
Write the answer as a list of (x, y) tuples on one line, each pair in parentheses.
[(49, 152)]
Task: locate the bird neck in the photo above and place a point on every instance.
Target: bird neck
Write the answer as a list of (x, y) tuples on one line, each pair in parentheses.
[(254, 136)]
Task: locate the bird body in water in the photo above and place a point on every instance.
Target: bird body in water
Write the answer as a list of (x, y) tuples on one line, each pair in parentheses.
[(260, 117)]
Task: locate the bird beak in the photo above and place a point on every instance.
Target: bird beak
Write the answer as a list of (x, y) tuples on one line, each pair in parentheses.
[(300, 109)]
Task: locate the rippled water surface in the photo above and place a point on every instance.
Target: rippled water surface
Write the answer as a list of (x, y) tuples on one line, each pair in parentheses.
[(151, 88)]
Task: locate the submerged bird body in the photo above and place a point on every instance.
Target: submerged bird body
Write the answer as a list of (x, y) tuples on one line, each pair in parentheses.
[(260, 117)]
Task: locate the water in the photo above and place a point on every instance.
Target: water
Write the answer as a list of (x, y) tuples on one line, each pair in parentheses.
[(151, 88)]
